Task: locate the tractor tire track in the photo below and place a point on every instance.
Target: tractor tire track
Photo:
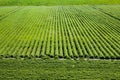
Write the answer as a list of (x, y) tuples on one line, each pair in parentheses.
[(106, 13), (9, 13)]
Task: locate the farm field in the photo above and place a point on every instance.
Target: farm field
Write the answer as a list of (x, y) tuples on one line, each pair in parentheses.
[(16, 69), (59, 39), (69, 32)]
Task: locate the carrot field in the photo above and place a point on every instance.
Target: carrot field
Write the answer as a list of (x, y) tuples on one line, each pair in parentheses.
[(60, 32)]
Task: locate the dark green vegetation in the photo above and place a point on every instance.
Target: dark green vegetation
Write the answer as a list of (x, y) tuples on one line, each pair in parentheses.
[(59, 69), (60, 32), (55, 2)]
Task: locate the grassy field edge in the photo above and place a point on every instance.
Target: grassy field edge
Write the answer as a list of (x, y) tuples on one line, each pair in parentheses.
[(36, 69), (55, 2)]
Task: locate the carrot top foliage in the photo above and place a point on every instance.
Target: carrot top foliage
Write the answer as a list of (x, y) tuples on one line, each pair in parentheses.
[(54, 2)]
